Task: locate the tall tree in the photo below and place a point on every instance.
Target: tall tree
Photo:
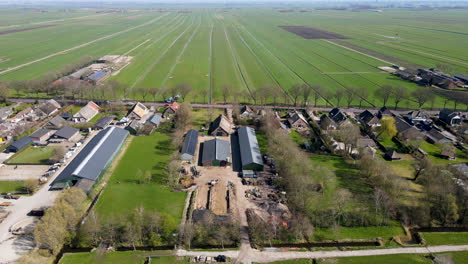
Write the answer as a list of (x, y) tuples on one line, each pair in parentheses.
[(295, 92), (350, 94), (226, 91), (318, 92), (184, 89), (399, 94), (4, 91), (339, 95), (362, 93), (306, 92), (384, 93), (423, 95)]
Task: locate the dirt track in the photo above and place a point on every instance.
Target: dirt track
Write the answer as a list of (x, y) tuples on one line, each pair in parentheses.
[(312, 33), (24, 29)]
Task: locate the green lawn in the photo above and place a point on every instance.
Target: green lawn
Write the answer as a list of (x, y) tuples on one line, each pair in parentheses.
[(370, 232), (387, 259), (437, 238), (123, 193), (11, 186), (434, 152), (33, 155), (127, 257)]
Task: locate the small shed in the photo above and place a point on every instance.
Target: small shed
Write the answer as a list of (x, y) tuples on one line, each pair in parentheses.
[(41, 135), (103, 122), (155, 120), (190, 145), (19, 144), (392, 155)]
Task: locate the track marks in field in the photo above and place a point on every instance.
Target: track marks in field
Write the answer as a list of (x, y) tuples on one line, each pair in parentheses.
[(176, 61), (151, 67), (210, 96)]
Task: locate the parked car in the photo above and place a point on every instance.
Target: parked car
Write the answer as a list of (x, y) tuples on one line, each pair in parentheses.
[(9, 196)]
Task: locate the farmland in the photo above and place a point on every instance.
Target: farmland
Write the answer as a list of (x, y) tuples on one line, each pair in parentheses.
[(242, 50)]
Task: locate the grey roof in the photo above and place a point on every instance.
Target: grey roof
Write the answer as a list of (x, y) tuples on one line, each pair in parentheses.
[(21, 143), (249, 149), (337, 115), (155, 119), (215, 149), (39, 133), (103, 122), (190, 142), (95, 156), (57, 121), (66, 132), (48, 107)]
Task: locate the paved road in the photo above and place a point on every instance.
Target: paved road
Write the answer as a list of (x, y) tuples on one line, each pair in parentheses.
[(11, 246), (266, 256)]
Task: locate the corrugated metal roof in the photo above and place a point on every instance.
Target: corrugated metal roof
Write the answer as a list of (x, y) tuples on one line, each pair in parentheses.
[(249, 149), (39, 133), (97, 75), (21, 143), (95, 156), (66, 132), (103, 122), (215, 149), (190, 142), (155, 119)]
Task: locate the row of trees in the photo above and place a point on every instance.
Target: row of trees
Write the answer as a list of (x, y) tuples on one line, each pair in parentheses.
[(211, 232), (139, 228)]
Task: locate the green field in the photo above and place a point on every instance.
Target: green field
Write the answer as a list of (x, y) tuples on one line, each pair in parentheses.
[(11, 186), (242, 48), (436, 238), (129, 257), (123, 193), (33, 155)]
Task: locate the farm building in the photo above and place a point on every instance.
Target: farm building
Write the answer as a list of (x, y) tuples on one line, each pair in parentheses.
[(450, 117), (86, 113), (221, 127), (462, 78), (384, 111), (418, 117), (435, 137), (103, 122), (190, 145), (48, 108), (216, 153), (137, 112), (246, 112), (171, 109), (97, 76), (5, 112), (19, 144), (251, 157), (86, 168), (134, 127), (66, 133), (155, 120), (41, 135), (369, 119), (56, 122), (326, 123), (337, 115), (392, 155), (297, 120)]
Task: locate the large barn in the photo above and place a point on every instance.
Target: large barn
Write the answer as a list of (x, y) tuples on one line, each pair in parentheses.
[(251, 157), (190, 145), (86, 168), (216, 152)]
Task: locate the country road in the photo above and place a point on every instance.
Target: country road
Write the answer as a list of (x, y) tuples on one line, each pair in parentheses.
[(80, 46), (268, 256)]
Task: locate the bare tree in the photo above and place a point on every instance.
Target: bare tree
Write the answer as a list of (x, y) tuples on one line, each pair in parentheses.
[(384, 93), (4, 91), (184, 89), (307, 91), (295, 92), (399, 94), (350, 94), (422, 95), (338, 95), (227, 91), (362, 93), (154, 92)]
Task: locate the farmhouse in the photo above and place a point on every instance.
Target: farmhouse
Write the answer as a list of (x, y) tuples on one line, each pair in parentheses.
[(190, 145), (297, 120), (251, 157), (56, 122), (337, 115), (171, 109), (86, 113), (5, 112), (450, 117), (406, 131), (19, 144), (392, 155), (48, 108), (103, 122), (435, 137), (66, 133), (155, 120), (418, 117), (368, 119), (137, 112), (221, 127), (326, 123), (246, 112), (86, 168), (216, 153), (41, 135)]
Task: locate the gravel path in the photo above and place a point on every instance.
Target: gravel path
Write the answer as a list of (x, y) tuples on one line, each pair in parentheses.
[(265, 257)]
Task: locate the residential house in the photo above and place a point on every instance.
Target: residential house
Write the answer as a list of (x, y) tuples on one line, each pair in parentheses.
[(364, 142), (392, 155), (326, 123), (297, 120), (19, 144), (86, 113), (246, 112), (5, 112), (66, 133), (221, 127), (406, 131), (48, 108), (171, 109), (41, 135), (418, 117), (337, 115), (216, 152), (23, 114), (155, 120), (450, 117), (103, 122), (137, 112), (57, 122), (368, 119), (384, 111), (190, 145), (435, 137)]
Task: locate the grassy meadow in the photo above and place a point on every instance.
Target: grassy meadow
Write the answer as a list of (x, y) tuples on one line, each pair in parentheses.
[(129, 257), (33, 155), (242, 49)]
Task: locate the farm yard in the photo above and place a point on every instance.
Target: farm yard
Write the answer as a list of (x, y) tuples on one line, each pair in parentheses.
[(245, 54)]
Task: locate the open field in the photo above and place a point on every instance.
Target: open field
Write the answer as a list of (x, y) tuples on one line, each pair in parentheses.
[(129, 257), (445, 238), (33, 155), (243, 49), (124, 193), (11, 186)]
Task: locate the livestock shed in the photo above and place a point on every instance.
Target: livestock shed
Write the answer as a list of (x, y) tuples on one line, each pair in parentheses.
[(216, 153), (56, 122), (103, 122), (41, 135), (251, 157), (66, 133), (221, 127), (19, 144), (190, 145), (87, 167)]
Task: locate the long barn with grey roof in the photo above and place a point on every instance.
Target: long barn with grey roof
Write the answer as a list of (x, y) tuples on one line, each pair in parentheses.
[(251, 157), (216, 152), (89, 164), (190, 145)]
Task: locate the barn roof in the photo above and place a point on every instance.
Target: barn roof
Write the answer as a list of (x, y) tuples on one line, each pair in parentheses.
[(155, 119), (139, 109), (40, 133), (88, 111), (215, 149), (21, 143), (249, 149), (66, 132), (57, 121), (95, 156), (103, 122), (223, 123), (190, 142)]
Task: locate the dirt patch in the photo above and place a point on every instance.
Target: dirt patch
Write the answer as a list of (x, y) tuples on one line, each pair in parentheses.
[(312, 33), (24, 29)]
